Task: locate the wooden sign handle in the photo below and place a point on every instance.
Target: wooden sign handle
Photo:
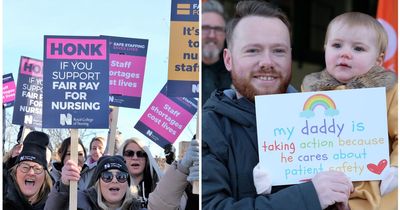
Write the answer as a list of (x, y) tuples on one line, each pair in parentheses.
[(73, 185)]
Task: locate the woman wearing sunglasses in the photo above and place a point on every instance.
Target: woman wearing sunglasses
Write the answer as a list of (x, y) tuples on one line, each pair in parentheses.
[(110, 187), (27, 184), (142, 167)]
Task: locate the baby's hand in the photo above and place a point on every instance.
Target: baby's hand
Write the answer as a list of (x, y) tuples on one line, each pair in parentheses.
[(389, 182)]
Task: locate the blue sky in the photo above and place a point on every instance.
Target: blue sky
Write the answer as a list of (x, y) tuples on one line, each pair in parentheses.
[(26, 22)]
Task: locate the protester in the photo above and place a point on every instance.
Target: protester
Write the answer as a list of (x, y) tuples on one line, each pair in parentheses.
[(10, 157), (110, 187), (96, 147), (214, 73), (259, 59), (64, 153), (355, 46), (142, 167), (27, 184), (169, 193)]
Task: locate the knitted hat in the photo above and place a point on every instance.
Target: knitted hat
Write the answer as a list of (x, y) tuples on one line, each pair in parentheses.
[(106, 163), (34, 148)]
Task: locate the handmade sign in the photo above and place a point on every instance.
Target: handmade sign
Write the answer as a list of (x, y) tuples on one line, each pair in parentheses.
[(183, 64), (127, 65), (302, 134), (29, 96), (165, 118), (8, 90), (76, 82)]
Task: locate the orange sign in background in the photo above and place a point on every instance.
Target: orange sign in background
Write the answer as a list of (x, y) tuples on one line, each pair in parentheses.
[(387, 16)]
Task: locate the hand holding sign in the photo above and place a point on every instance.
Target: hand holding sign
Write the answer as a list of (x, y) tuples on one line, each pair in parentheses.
[(323, 131), (332, 187)]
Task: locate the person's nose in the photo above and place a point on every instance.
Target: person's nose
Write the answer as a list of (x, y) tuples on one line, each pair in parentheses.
[(266, 61), (30, 171), (345, 53), (212, 33)]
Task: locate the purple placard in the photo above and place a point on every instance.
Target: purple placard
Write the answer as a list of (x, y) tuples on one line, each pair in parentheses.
[(8, 90), (76, 84), (29, 95), (127, 67), (165, 118)]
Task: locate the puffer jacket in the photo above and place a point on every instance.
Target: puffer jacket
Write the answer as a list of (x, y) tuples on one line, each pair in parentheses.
[(366, 195)]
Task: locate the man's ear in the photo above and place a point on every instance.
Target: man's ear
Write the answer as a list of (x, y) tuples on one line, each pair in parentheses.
[(380, 59), (228, 59)]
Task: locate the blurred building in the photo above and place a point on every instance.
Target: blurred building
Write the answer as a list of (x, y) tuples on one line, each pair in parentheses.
[(183, 145), (309, 20), (161, 161)]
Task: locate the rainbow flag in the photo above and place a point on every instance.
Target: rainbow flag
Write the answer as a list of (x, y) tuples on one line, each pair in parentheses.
[(387, 16)]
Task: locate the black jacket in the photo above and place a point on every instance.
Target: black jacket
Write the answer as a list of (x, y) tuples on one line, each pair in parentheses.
[(229, 154)]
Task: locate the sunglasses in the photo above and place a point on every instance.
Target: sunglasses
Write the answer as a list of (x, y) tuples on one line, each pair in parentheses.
[(107, 176), (130, 153)]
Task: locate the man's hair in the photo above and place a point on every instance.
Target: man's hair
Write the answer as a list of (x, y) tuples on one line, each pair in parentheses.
[(213, 6), (254, 8), (351, 19)]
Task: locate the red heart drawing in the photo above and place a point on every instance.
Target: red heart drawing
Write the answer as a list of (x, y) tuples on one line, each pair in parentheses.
[(377, 169)]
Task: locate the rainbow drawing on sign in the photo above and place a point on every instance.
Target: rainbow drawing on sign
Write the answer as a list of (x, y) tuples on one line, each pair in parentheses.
[(319, 100)]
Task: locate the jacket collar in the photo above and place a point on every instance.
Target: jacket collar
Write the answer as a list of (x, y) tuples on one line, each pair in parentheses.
[(375, 77)]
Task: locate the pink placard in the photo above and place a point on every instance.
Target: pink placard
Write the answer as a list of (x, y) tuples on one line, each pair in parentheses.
[(126, 74), (79, 49), (31, 67), (8, 92), (166, 118)]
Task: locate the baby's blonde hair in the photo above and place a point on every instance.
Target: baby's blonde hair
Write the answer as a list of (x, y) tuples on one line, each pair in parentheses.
[(351, 19)]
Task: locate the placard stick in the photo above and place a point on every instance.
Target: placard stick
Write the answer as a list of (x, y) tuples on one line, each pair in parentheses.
[(73, 185), (4, 128), (25, 132), (195, 184), (113, 130)]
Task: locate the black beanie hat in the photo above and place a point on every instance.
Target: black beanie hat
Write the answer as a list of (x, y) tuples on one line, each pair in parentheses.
[(34, 148), (106, 163)]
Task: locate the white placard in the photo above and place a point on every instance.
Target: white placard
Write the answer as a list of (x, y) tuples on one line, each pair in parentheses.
[(302, 134)]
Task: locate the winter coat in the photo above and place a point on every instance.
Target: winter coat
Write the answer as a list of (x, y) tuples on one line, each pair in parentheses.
[(87, 199), (229, 155), (169, 191), (13, 198), (55, 171), (366, 194), (86, 174)]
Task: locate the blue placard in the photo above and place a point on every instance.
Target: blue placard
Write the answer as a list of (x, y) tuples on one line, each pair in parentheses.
[(127, 68), (29, 94), (75, 82), (185, 10)]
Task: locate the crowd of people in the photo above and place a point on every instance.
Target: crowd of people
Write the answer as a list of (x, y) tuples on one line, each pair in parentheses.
[(247, 56), (130, 179)]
